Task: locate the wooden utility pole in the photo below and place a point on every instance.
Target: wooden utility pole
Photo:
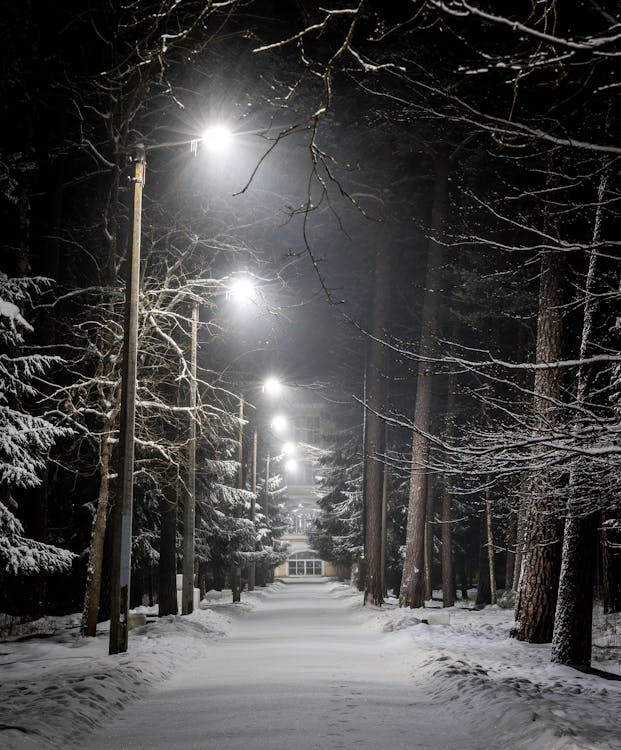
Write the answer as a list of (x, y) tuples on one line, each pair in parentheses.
[(122, 546), (235, 567), (189, 508), (253, 509)]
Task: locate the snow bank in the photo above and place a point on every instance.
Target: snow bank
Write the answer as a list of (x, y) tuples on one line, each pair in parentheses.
[(56, 685), (474, 670)]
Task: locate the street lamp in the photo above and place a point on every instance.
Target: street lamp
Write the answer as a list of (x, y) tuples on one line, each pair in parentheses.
[(279, 423), (215, 140), (242, 290), (291, 466), (272, 386), (288, 448)]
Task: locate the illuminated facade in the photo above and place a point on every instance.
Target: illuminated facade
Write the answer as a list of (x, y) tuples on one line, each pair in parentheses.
[(308, 421)]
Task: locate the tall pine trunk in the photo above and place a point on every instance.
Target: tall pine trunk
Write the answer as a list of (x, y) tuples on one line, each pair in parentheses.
[(541, 549), (448, 574), (413, 569), (375, 432), (611, 565), (92, 595), (483, 587), (491, 559), (167, 573), (90, 611), (571, 641), (428, 553)]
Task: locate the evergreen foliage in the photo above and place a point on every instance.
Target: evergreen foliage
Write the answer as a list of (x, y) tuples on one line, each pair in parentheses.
[(25, 438)]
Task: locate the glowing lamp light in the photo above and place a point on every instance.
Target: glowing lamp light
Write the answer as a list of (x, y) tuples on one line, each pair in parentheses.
[(242, 290), (288, 449), (291, 466), (279, 423), (217, 138), (272, 386)]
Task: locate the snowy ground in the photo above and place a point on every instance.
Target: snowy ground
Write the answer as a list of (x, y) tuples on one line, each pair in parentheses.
[(305, 666)]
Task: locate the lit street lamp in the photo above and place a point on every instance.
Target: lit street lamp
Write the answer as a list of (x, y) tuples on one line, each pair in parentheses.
[(214, 140), (288, 448), (272, 386), (242, 290), (279, 423)]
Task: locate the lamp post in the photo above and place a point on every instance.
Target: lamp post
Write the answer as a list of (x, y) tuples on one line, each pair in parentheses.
[(214, 138), (121, 558), (189, 508), (252, 568)]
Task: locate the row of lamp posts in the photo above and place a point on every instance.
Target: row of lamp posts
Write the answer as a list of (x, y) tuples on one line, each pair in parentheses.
[(215, 139)]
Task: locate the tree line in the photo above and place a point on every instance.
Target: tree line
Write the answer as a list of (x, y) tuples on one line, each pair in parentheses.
[(459, 177)]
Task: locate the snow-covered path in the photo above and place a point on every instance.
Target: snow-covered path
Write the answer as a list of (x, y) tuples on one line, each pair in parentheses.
[(301, 672), (306, 666)]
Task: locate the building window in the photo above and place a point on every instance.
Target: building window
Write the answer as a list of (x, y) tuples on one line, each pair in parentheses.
[(305, 563)]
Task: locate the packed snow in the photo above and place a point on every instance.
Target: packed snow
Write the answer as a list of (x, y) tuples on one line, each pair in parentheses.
[(305, 665)]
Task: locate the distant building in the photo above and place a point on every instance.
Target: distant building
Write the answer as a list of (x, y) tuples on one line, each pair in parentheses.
[(307, 423)]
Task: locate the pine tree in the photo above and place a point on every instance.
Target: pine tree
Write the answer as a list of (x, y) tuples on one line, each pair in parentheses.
[(26, 438)]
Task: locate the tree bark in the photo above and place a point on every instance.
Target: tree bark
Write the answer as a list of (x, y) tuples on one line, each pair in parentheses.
[(519, 534), (375, 432), (463, 576), (167, 580), (90, 611), (571, 641), (510, 543), (448, 573), (384, 550), (572, 637), (413, 568), (428, 552), (611, 566), (490, 544), (483, 587), (537, 591)]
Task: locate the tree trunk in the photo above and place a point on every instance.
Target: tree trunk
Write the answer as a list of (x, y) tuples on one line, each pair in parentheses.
[(510, 543), (490, 544), (611, 567), (448, 574), (167, 579), (538, 586), (571, 641), (428, 551), (463, 576), (202, 579), (483, 588), (375, 432), (384, 529), (236, 583), (90, 611), (413, 568), (519, 534)]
